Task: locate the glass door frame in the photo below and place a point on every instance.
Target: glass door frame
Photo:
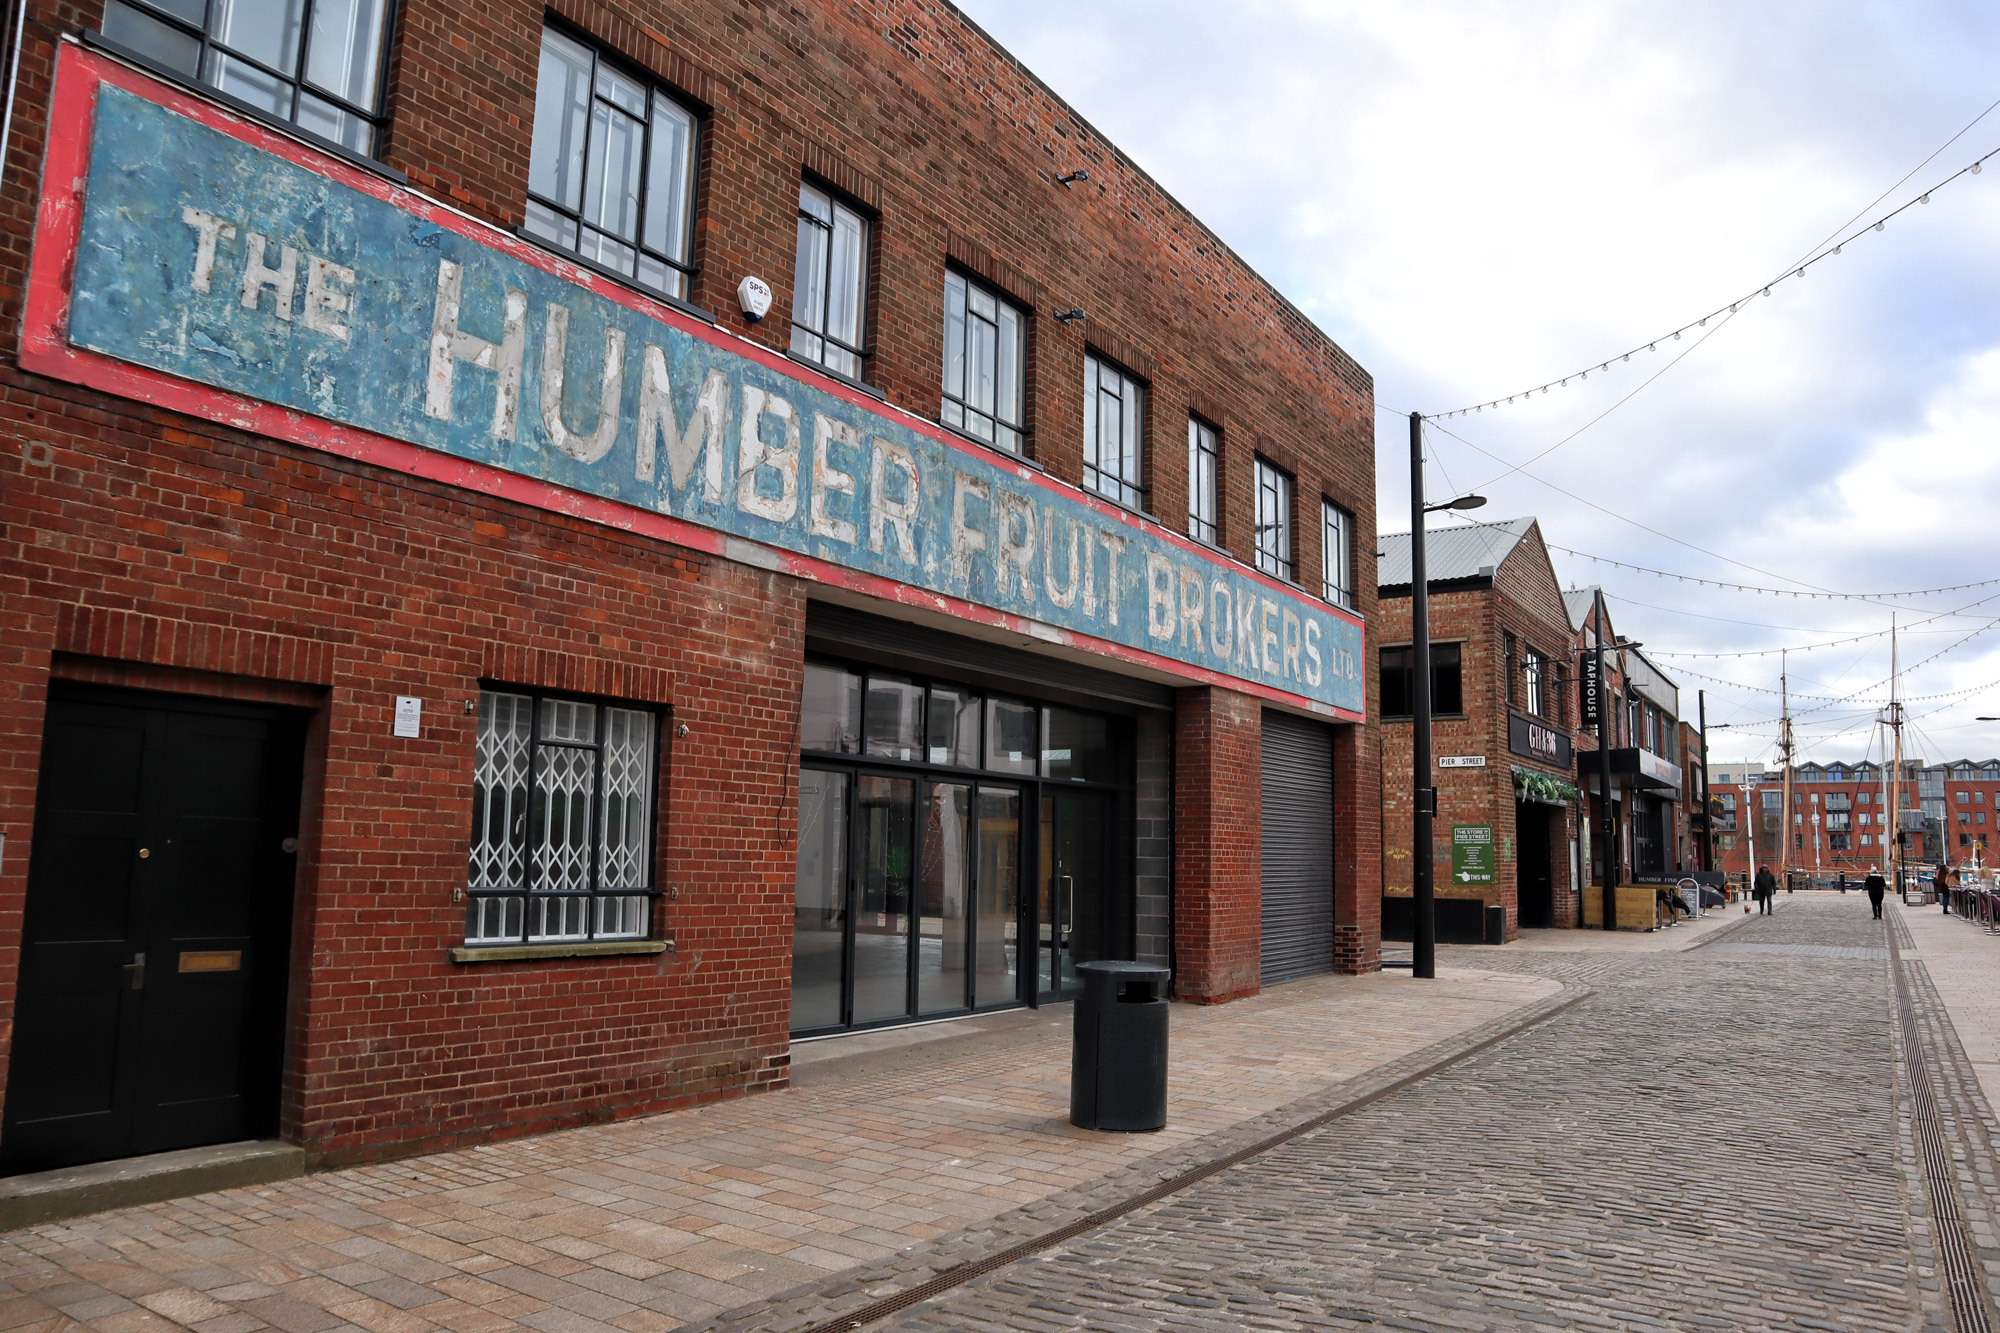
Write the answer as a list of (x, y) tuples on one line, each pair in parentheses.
[(1117, 912), (1119, 922)]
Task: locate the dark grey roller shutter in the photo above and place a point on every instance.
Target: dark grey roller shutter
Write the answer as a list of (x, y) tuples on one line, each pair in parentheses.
[(1298, 848)]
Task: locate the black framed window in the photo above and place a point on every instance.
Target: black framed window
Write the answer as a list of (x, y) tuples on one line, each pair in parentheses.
[(1509, 651), (1274, 520), (1204, 482), (1447, 683), (563, 808), (985, 364), (319, 64), (611, 172), (1534, 674), (1114, 424), (830, 284), (1336, 536)]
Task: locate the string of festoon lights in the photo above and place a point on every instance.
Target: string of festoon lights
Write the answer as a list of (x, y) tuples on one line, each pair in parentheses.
[(1790, 274), (1770, 592), (1828, 643)]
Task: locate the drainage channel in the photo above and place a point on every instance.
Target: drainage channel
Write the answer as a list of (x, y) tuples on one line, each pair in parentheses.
[(977, 1268), (1968, 1303)]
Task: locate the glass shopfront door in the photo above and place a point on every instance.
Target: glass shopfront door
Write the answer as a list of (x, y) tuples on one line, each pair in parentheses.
[(917, 829)]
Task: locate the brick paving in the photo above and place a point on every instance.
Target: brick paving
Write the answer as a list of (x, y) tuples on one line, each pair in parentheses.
[(913, 1146), (1716, 1139)]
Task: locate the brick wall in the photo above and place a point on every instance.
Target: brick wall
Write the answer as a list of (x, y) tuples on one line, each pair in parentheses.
[(1153, 829), (138, 542), (1218, 845)]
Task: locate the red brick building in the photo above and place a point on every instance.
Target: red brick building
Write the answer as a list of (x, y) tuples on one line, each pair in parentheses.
[(1503, 734), (548, 551)]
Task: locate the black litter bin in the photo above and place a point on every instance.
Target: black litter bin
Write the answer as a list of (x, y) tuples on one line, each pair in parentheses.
[(1118, 1062), (1496, 924)]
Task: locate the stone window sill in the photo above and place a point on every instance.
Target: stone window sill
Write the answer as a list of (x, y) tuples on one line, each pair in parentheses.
[(523, 953)]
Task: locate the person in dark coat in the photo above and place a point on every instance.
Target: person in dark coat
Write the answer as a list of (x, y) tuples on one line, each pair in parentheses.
[(1767, 888), (1876, 886), (1944, 888)]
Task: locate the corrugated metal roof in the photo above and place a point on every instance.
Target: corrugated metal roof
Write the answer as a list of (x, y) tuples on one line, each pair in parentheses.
[(1578, 601), (1462, 552)]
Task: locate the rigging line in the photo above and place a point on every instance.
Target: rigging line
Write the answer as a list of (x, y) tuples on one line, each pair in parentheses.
[(1775, 592), (1702, 550), (1798, 270), (1990, 625)]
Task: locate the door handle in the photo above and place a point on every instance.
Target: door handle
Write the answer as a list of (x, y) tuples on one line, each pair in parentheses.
[(135, 971)]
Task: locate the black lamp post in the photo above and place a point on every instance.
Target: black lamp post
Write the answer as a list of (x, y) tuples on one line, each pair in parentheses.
[(1423, 900)]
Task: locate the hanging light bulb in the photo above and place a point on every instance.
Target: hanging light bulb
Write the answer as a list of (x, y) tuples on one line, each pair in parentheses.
[(1767, 291), (1836, 249), (1677, 335), (1881, 224), (1978, 167), (1628, 356), (1923, 199), (1703, 322)]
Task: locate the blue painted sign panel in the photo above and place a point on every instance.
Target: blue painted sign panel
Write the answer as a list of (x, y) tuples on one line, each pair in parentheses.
[(214, 260)]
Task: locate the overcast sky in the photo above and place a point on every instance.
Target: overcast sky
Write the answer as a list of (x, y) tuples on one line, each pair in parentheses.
[(1473, 199)]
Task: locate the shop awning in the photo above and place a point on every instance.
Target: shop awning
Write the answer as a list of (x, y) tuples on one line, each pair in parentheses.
[(1532, 786)]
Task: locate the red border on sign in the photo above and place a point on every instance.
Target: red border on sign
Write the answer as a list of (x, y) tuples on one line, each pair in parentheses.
[(45, 350)]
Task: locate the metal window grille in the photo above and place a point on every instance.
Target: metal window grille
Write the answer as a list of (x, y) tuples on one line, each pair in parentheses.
[(830, 284), (1274, 521), (985, 364), (611, 170), (1204, 474), (315, 63), (1337, 553), (1114, 413), (562, 817)]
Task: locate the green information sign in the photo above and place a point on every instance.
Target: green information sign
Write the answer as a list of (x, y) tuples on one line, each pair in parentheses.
[(1472, 853)]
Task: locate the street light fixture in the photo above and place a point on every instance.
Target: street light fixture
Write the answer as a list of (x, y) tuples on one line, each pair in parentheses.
[(1423, 899)]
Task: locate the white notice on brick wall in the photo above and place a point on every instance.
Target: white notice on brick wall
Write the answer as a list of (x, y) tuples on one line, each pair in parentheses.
[(409, 715), (1462, 761)]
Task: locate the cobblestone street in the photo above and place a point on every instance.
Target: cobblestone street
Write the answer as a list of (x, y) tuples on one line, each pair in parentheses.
[(1716, 1139)]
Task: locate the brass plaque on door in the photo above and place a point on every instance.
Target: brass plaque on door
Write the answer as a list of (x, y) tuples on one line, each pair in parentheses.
[(217, 960)]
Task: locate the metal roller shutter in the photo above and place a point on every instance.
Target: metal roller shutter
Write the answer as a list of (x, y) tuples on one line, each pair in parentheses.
[(1298, 848)]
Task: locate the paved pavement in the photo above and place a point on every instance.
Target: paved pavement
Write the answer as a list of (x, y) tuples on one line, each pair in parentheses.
[(887, 1144), (1718, 1139), (1964, 964)]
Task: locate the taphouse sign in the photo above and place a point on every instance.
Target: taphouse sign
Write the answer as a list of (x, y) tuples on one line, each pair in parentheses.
[(314, 302)]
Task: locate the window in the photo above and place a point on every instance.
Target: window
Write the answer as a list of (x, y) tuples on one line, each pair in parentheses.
[(1635, 722), (1863, 818), (611, 173), (315, 63), (1336, 544), (1964, 797), (1533, 668), (1274, 521), (1839, 842), (1447, 695), (830, 285), (1559, 701), (1204, 481), (1114, 412), (1838, 821), (1509, 650), (562, 821), (1964, 818), (984, 364), (1653, 730), (1867, 840)]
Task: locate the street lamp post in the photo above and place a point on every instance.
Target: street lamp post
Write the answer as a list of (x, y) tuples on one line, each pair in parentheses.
[(1423, 897)]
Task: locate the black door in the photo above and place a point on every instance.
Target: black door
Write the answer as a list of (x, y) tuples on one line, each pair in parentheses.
[(1075, 908), (150, 1010), (1534, 884)]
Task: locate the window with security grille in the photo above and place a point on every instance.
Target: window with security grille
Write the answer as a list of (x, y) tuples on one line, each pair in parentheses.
[(316, 63), (830, 283), (562, 821), (985, 364), (1534, 669), (611, 169), (1114, 424), (1274, 521), (1204, 482)]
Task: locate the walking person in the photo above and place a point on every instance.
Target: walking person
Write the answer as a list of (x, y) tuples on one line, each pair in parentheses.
[(1766, 890), (1944, 887), (1877, 887)]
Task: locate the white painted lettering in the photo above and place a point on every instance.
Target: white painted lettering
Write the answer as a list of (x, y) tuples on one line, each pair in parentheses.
[(555, 364), (1015, 554), (1246, 634), (1062, 597), (1192, 603), (207, 228), (884, 512), (1313, 665), (1220, 623), (1293, 639), (828, 432), (1114, 592), (1267, 638), (325, 305), (1160, 621), (753, 456), (282, 280), (449, 346), (965, 539), (702, 437)]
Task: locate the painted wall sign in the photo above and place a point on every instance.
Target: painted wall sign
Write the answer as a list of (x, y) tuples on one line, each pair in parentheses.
[(301, 292), (1538, 740), (1472, 853)]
